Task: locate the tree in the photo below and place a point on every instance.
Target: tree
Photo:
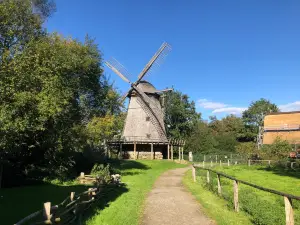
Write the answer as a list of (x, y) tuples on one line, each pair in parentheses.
[(181, 115), (201, 139), (253, 117), (257, 110), (20, 22), (279, 149)]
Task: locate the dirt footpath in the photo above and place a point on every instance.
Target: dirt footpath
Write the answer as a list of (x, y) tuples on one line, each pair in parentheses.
[(170, 203)]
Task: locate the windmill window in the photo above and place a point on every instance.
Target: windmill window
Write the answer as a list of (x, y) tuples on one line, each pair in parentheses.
[(147, 118), (148, 135)]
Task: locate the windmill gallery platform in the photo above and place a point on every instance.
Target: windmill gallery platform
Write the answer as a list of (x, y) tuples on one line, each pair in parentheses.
[(144, 134)]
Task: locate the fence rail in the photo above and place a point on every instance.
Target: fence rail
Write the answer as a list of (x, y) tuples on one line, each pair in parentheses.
[(72, 208), (289, 214)]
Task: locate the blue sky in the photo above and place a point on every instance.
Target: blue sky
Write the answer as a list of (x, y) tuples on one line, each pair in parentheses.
[(224, 55)]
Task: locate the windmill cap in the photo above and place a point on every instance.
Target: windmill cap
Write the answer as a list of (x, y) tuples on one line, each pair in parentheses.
[(146, 86)]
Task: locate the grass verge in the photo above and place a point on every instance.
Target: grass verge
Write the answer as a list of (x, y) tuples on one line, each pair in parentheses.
[(213, 206), (127, 208)]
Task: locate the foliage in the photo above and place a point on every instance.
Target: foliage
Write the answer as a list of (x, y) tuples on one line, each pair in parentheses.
[(102, 171), (246, 148), (201, 140), (253, 117), (104, 128), (181, 115), (279, 149), (51, 88), (226, 142)]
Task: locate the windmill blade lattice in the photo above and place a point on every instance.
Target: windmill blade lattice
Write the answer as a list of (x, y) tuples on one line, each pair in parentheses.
[(115, 65), (156, 60)]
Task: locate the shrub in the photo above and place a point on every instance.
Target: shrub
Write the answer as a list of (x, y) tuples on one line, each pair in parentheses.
[(279, 149)]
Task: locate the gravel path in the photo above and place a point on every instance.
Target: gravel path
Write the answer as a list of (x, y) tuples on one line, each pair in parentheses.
[(170, 203)]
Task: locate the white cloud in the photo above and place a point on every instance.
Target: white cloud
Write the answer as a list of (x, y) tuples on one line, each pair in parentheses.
[(229, 110), (294, 106), (206, 104)]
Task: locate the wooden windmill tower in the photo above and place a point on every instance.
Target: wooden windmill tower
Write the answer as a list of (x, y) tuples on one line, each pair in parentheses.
[(144, 126)]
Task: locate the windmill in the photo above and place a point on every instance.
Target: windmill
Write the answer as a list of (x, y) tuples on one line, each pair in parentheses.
[(144, 123)]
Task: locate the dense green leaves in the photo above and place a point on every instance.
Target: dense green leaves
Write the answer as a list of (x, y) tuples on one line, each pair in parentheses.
[(52, 91), (181, 115)]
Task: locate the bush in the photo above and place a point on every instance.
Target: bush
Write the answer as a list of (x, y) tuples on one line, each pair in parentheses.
[(279, 149)]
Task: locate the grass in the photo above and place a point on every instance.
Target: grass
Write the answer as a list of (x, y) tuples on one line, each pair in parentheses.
[(127, 208), (262, 207), (17, 203), (213, 206)]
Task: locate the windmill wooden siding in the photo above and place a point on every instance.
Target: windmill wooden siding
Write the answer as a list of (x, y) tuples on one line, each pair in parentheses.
[(285, 125)]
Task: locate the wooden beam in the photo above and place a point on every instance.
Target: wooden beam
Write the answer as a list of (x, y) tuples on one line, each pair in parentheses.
[(219, 185), (168, 151), (151, 150), (289, 213), (134, 149), (172, 152), (236, 195), (194, 173), (179, 157)]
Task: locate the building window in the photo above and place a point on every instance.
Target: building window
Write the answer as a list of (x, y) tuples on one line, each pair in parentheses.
[(148, 135), (147, 118)]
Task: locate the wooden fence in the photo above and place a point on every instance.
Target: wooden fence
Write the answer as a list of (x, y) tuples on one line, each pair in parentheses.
[(72, 208), (289, 214)]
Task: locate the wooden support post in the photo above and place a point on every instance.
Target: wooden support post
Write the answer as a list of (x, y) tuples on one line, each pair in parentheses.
[(72, 195), (204, 158), (194, 173), (211, 164), (220, 162), (219, 185), (289, 213), (168, 151), (182, 153), (236, 195), (172, 152), (203, 164), (121, 151), (81, 180), (179, 157), (134, 150), (151, 150), (249, 162), (47, 211), (269, 163), (228, 163), (207, 177)]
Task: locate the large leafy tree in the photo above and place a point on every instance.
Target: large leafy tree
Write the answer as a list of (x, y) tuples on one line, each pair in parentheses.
[(180, 115), (253, 117), (50, 89)]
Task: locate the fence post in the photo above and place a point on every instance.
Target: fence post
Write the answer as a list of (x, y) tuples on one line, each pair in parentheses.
[(249, 162), (269, 163), (47, 211), (236, 195), (220, 162), (228, 163), (203, 164), (204, 158), (72, 196), (82, 178), (210, 163), (289, 214), (219, 185), (194, 173), (207, 177)]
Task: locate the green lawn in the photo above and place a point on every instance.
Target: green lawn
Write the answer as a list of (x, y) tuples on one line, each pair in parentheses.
[(122, 205), (213, 206), (262, 208), (127, 207), (17, 203)]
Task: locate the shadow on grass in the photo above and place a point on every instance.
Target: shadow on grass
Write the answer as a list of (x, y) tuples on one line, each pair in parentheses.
[(19, 202)]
